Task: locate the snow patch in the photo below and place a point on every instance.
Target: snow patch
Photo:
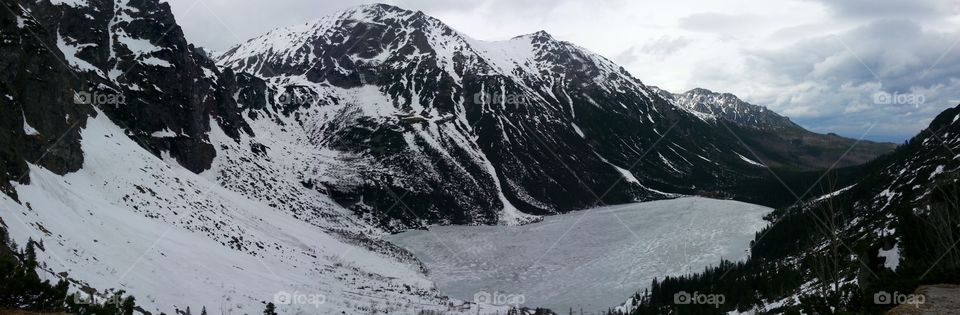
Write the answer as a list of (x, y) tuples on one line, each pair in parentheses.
[(835, 193), (937, 171), (752, 162), (154, 61), (71, 3), (70, 53), (577, 130), (892, 257), (165, 133), (29, 130)]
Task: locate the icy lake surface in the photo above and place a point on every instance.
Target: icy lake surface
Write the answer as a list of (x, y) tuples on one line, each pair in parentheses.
[(593, 259)]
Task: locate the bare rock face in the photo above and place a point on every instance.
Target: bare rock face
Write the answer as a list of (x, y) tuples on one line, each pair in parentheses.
[(63, 63), (39, 119)]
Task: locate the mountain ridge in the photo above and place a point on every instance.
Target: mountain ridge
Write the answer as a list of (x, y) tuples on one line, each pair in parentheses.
[(891, 224), (495, 101), (804, 149)]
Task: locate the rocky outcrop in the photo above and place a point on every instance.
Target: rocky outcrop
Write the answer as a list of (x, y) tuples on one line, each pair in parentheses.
[(63, 62), (39, 119)]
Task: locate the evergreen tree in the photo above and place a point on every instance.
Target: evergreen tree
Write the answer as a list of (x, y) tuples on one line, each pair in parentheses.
[(128, 305), (270, 310), (30, 256), (22, 289)]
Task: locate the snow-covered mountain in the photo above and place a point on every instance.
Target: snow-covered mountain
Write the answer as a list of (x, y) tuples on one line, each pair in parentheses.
[(729, 107), (139, 163), (530, 126), (776, 140)]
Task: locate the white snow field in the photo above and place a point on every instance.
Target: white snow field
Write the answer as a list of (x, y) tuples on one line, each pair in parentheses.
[(593, 259), (173, 239)]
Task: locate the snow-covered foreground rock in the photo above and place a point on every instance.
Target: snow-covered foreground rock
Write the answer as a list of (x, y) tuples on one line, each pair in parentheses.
[(592, 259)]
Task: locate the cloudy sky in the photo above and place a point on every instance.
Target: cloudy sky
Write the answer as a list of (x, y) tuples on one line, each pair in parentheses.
[(881, 69)]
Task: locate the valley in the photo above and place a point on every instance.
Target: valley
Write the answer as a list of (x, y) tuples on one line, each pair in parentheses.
[(379, 161)]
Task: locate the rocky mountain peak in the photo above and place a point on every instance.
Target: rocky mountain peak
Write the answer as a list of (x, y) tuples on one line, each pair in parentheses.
[(538, 36), (381, 13), (731, 107)]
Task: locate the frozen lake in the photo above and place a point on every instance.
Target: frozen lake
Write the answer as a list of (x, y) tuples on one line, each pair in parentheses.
[(593, 259)]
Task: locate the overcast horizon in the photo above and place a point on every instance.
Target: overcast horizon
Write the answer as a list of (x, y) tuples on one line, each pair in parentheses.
[(828, 65)]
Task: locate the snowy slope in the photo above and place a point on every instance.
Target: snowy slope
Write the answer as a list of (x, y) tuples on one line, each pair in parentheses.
[(134, 214), (188, 242)]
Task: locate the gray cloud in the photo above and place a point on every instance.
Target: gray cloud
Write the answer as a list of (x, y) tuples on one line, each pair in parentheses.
[(822, 70), (720, 23), (833, 82), (871, 9), (665, 45), (660, 47), (219, 24)]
